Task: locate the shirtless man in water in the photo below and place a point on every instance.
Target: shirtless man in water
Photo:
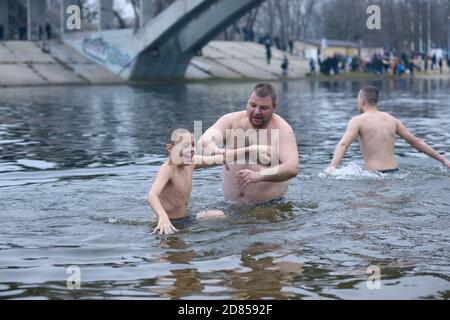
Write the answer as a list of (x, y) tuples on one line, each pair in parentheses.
[(255, 183), (377, 132)]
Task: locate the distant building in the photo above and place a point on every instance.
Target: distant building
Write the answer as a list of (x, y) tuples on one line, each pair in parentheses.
[(308, 48)]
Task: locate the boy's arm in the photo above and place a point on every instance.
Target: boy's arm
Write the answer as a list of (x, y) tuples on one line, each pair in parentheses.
[(216, 135), (350, 135), (229, 156), (164, 224), (419, 144)]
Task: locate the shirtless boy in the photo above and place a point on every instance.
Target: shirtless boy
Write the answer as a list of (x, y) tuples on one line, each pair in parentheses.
[(377, 132), (170, 192)]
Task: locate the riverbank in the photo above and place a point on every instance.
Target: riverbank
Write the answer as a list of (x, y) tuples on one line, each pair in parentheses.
[(23, 63), (370, 76)]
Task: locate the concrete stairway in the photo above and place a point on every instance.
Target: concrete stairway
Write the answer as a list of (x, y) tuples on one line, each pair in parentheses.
[(23, 63)]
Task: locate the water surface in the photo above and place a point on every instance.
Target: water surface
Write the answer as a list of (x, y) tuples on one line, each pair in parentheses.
[(76, 164)]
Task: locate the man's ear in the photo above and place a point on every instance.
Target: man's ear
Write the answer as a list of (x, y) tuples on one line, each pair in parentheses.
[(169, 147)]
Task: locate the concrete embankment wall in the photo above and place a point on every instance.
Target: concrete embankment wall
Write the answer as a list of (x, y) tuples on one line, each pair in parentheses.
[(23, 63), (235, 60)]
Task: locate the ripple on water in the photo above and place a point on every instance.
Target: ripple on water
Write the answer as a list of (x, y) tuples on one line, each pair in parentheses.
[(36, 164)]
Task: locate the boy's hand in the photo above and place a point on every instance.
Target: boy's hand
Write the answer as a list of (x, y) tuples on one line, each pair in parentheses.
[(245, 177), (330, 170), (165, 227), (447, 163), (264, 153)]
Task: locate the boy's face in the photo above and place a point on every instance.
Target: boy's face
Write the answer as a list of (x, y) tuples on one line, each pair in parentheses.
[(183, 150)]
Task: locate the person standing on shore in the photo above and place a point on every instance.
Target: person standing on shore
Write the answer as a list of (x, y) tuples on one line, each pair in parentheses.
[(41, 33), (268, 45), (441, 65), (285, 66), (411, 67), (48, 30), (433, 62), (22, 33), (291, 46), (312, 66), (2, 32)]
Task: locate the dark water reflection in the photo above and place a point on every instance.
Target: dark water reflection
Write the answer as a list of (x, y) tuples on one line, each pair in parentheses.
[(76, 163)]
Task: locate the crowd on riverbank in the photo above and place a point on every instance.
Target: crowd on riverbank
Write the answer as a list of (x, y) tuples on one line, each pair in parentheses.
[(382, 63)]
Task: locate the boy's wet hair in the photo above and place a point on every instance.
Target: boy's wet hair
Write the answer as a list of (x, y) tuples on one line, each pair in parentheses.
[(371, 95), (171, 130)]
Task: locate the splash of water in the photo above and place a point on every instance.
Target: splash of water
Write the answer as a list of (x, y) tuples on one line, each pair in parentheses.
[(356, 171)]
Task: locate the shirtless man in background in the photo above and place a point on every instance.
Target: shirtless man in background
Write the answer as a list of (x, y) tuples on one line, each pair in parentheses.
[(255, 183), (377, 132)]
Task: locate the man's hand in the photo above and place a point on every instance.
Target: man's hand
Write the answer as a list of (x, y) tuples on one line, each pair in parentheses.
[(330, 170), (245, 177), (165, 227)]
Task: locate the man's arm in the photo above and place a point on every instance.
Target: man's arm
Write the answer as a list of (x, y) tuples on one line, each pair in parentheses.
[(350, 135), (289, 163), (229, 156), (164, 225), (419, 144)]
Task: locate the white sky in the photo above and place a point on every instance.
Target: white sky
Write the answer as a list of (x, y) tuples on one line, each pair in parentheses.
[(123, 6)]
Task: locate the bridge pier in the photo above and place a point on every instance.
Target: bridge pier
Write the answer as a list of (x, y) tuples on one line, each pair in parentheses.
[(4, 18), (146, 11), (169, 56), (106, 15), (36, 11), (163, 48)]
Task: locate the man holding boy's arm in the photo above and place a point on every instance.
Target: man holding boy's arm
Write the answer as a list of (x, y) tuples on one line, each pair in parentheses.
[(253, 183)]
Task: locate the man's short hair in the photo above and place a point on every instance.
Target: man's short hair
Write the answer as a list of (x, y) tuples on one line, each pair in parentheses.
[(180, 129), (263, 90), (371, 95)]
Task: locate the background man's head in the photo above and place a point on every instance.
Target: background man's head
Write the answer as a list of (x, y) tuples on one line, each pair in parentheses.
[(180, 144), (368, 97), (261, 104)]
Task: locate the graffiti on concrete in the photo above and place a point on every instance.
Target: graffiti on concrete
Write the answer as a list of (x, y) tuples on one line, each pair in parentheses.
[(104, 52)]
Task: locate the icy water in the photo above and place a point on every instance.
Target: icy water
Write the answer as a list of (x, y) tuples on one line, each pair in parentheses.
[(76, 164)]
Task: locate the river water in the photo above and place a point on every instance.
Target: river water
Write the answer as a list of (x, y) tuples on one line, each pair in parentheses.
[(76, 164)]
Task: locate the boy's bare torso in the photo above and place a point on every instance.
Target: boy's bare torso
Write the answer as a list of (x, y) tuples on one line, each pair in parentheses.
[(377, 134), (175, 195)]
